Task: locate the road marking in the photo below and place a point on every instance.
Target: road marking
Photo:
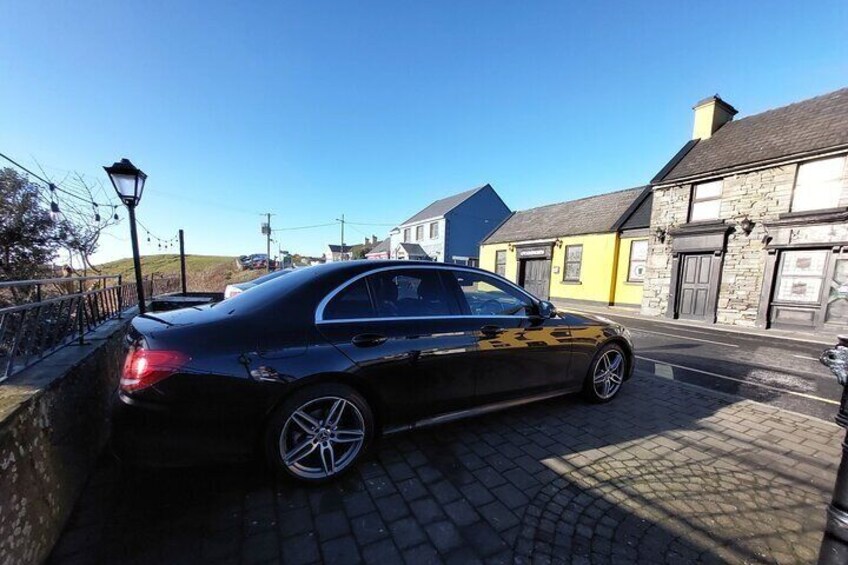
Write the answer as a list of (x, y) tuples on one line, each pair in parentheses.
[(806, 357), (743, 381), (684, 337)]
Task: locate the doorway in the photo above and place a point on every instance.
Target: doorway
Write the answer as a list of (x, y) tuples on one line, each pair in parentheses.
[(693, 298), (535, 276)]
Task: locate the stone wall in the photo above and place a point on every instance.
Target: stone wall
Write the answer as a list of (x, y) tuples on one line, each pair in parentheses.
[(760, 196), (670, 209), (54, 422)]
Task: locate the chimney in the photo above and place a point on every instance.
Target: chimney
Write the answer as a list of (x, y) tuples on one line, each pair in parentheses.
[(373, 239), (710, 114)]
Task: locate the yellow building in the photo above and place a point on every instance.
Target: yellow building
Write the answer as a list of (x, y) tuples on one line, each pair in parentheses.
[(589, 251)]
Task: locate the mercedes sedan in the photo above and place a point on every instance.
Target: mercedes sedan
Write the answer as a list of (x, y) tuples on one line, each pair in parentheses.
[(310, 368)]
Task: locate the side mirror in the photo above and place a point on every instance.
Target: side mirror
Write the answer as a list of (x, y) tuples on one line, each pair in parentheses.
[(546, 309)]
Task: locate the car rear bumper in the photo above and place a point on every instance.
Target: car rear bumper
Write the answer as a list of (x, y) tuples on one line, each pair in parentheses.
[(149, 434)]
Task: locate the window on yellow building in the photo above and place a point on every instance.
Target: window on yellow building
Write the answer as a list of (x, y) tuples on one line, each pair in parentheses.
[(573, 261), (638, 257), (500, 263)]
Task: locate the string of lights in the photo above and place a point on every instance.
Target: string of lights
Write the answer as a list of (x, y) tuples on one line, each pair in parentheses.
[(163, 243), (54, 189)]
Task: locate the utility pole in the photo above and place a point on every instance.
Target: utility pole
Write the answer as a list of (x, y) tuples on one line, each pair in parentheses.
[(341, 251), (266, 229)]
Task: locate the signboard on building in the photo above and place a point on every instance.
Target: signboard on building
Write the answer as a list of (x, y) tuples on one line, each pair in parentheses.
[(534, 252)]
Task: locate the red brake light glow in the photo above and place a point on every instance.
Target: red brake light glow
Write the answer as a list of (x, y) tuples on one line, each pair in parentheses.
[(146, 367)]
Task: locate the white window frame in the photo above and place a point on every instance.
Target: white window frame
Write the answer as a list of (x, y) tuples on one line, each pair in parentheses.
[(434, 230), (407, 234), (631, 261), (818, 184), (706, 200), (419, 233)]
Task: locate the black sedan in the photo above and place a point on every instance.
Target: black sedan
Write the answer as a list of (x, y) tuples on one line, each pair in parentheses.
[(312, 366)]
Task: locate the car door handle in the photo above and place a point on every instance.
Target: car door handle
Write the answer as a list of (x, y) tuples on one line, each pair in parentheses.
[(368, 340), (491, 330)]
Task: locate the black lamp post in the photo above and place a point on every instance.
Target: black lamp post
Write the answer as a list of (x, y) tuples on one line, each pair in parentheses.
[(834, 546), (128, 181)]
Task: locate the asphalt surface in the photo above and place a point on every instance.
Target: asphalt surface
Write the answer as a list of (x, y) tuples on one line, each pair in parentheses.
[(777, 371)]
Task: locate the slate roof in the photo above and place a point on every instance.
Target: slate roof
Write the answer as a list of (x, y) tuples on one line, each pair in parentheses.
[(414, 250), (595, 214), (806, 127), (338, 248), (441, 207), (382, 247)]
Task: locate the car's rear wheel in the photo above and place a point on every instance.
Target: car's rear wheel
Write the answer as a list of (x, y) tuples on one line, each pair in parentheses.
[(319, 432), (606, 374)]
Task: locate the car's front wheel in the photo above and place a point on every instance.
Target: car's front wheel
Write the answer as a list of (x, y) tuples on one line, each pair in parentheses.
[(319, 432), (606, 374)]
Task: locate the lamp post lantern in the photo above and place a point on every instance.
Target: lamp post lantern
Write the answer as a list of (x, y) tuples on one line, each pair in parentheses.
[(128, 181), (834, 547)]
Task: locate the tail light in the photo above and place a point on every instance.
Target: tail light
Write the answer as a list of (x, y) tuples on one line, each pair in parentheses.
[(146, 367)]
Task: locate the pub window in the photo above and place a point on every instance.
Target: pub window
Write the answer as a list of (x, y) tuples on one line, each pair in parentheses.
[(818, 184), (638, 257), (500, 263), (406, 234), (801, 276), (573, 260), (706, 201), (419, 233), (434, 230)]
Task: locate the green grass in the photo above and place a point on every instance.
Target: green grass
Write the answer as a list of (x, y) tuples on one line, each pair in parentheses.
[(207, 273), (168, 264)]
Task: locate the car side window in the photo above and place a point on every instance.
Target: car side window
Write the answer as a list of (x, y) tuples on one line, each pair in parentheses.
[(409, 293), (352, 303), (487, 296)]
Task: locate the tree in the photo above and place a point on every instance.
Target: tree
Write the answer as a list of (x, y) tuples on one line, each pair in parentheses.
[(29, 239)]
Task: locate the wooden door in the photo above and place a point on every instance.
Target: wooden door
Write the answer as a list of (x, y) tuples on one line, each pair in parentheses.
[(693, 297), (537, 277)]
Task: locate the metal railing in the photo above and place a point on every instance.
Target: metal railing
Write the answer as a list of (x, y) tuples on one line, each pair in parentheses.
[(42, 316)]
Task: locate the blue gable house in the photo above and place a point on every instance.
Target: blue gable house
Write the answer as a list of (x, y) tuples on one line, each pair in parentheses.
[(451, 229)]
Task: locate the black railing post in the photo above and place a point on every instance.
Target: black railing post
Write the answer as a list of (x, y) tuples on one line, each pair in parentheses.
[(120, 296), (182, 264), (834, 546), (81, 314)]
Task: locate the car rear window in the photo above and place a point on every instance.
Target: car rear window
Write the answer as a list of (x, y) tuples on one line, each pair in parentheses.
[(410, 293)]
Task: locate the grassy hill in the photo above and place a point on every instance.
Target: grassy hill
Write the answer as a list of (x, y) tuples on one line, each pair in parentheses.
[(209, 273)]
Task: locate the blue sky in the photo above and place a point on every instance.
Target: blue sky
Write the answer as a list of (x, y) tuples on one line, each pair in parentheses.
[(374, 109)]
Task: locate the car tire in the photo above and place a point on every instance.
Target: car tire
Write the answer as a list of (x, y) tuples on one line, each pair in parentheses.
[(319, 433), (606, 374)]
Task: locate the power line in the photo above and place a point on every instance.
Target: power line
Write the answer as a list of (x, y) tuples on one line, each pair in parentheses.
[(305, 227), (53, 187)]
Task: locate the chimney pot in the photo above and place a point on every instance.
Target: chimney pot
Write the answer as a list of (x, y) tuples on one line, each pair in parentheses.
[(710, 114)]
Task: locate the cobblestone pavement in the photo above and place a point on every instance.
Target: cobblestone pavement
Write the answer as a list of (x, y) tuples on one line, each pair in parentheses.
[(667, 473)]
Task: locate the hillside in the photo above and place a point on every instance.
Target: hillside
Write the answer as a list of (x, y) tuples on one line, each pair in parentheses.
[(203, 272)]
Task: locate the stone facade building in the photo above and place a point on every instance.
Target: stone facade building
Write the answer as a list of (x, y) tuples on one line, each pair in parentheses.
[(750, 219)]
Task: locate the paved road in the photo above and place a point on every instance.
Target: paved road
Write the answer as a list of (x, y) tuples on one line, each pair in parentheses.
[(776, 371), (667, 473)]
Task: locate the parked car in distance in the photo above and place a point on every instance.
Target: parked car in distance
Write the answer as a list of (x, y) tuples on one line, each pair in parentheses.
[(309, 368), (233, 289), (243, 262)]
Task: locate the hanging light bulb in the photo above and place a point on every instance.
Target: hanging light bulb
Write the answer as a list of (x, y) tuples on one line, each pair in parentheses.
[(55, 213), (96, 214), (116, 217)]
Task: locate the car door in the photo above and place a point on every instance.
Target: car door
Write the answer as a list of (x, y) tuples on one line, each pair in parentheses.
[(402, 329), (519, 353)]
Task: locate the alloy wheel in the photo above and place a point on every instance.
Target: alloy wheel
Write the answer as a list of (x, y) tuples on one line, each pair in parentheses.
[(608, 375), (322, 437)]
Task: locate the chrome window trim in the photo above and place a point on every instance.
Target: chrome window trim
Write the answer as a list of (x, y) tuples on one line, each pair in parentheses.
[(319, 311)]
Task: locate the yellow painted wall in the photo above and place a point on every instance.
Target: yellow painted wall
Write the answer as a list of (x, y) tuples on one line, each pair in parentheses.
[(596, 273), (626, 293)]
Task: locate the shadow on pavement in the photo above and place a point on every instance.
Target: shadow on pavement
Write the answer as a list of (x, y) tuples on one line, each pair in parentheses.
[(662, 474)]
